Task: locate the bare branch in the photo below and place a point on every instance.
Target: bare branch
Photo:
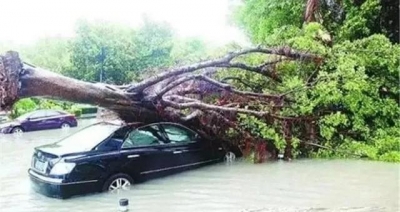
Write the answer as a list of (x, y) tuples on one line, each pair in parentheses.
[(259, 70), (188, 78), (174, 72), (170, 101), (283, 51)]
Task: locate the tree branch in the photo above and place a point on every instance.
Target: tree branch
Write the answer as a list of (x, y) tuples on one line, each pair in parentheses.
[(216, 83), (169, 100), (242, 81), (223, 62)]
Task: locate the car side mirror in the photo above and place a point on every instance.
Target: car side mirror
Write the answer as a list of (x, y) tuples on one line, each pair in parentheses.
[(197, 137)]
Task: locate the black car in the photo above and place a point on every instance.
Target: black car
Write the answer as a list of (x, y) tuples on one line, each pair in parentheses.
[(107, 157)]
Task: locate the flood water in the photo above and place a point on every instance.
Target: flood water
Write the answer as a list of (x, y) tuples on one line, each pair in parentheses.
[(301, 185)]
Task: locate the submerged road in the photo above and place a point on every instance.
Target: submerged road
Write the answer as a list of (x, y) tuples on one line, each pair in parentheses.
[(301, 185)]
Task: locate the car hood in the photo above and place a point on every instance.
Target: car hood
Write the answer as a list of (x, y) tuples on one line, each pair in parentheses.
[(9, 124)]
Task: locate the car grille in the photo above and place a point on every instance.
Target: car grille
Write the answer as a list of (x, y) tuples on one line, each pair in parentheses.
[(41, 162)]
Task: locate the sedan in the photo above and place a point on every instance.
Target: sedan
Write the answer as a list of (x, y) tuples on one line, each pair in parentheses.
[(39, 120), (110, 157)]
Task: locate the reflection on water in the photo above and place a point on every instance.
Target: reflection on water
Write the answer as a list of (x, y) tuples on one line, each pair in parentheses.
[(302, 185)]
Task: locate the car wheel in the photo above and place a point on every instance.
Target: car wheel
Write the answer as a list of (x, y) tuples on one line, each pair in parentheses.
[(65, 126), (230, 157), (17, 130), (118, 182)]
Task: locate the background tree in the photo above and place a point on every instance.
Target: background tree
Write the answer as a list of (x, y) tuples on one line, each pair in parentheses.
[(118, 53), (189, 50), (50, 52)]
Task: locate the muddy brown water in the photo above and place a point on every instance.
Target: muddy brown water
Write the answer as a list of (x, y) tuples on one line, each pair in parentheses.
[(301, 185)]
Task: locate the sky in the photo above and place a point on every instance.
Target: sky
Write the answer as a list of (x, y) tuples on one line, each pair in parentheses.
[(24, 21)]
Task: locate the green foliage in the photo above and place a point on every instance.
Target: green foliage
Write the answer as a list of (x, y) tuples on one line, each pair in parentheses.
[(23, 106), (49, 53), (346, 20), (118, 52), (392, 156), (31, 104), (359, 21), (188, 50), (356, 116), (261, 18), (260, 129), (76, 111), (355, 92)]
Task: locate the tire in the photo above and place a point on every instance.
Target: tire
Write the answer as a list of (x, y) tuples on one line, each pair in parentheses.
[(65, 125), (112, 181), (17, 130), (230, 156)]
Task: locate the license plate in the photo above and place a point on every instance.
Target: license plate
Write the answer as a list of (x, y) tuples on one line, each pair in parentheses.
[(40, 166)]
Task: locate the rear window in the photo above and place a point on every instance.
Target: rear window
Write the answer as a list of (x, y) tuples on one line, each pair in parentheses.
[(87, 138)]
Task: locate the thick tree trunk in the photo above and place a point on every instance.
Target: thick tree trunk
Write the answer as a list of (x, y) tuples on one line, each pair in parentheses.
[(28, 81)]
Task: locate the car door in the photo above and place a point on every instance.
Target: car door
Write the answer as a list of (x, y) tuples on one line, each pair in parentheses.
[(144, 152), (36, 121), (188, 148), (53, 119)]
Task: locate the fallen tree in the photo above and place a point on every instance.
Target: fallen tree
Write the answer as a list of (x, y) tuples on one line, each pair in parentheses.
[(187, 94)]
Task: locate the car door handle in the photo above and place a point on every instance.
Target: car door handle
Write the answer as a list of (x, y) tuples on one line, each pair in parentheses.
[(177, 152), (133, 156)]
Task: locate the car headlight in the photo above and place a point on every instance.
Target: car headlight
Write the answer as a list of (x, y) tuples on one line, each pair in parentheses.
[(62, 168), (54, 161)]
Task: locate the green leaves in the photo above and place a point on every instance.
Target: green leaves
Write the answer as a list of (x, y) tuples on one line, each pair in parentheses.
[(355, 92), (260, 18), (360, 21), (330, 123), (261, 129), (23, 106), (119, 53)]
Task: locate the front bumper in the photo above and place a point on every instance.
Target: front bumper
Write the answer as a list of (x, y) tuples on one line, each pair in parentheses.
[(54, 187)]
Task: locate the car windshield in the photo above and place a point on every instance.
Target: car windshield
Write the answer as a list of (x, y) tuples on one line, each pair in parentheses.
[(86, 139), (24, 116)]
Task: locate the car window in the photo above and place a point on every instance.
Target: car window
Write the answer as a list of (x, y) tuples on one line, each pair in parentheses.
[(52, 113), (178, 134), (38, 114), (144, 136), (24, 116)]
